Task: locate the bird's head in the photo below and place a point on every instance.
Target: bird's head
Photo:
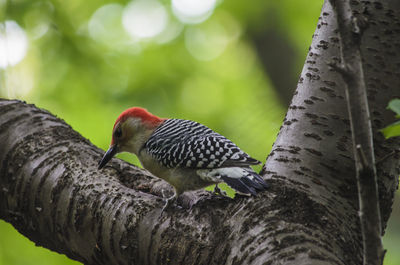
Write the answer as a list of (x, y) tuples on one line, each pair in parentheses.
[(131, 130)]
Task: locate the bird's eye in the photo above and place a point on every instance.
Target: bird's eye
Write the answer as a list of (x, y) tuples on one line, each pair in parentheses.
[(118, 132)]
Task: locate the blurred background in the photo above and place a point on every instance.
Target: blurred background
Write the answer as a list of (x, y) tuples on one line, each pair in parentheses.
[(228, 64)]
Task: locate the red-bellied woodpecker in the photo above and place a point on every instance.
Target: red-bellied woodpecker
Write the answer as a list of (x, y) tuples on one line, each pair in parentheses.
[(186, 154)]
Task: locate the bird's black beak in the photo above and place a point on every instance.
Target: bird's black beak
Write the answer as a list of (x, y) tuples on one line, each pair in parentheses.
[(108, 155)]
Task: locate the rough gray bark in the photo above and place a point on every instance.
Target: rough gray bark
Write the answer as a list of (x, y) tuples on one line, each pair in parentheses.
[(351, 27), (51, 191)]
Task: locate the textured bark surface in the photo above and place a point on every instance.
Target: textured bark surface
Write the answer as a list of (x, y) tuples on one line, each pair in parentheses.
[(351, 27), (52, 192)]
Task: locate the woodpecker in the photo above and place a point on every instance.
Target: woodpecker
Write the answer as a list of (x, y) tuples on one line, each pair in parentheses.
[(186, 154)]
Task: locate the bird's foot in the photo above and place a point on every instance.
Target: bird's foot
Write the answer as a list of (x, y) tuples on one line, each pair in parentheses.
[(168, 202), (217, 190)]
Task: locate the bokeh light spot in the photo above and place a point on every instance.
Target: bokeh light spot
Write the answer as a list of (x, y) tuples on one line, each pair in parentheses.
[(105, 24), (13, 44), (193, 11), (144, 18), (207, 41), (172, 31)]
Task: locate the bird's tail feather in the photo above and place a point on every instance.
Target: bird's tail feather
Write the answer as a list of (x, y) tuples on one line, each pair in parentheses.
[(249, 183)]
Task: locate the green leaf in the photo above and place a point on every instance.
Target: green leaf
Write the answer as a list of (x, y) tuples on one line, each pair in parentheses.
[(392, 130), (394, 105), (224, 187)]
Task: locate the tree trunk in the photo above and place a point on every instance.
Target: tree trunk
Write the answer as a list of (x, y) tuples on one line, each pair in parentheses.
[(52, 192)]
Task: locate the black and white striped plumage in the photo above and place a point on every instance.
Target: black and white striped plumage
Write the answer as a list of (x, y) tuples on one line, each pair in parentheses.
[(187, 144)]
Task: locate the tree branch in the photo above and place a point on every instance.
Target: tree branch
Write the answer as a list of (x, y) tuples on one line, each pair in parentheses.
[(350, 31), (51, 191)]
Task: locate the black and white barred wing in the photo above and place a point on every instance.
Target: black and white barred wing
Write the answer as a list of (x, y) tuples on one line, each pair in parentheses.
[(184, 143), (242, 179)]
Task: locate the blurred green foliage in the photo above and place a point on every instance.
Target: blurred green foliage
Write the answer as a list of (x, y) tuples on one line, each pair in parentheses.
[(393, 129), (83, 66)]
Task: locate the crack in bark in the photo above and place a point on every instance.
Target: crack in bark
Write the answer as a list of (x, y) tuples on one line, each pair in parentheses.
[(350, 68)]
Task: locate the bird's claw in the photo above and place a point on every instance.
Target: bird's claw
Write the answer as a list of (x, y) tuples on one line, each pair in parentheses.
[(168, 202)]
